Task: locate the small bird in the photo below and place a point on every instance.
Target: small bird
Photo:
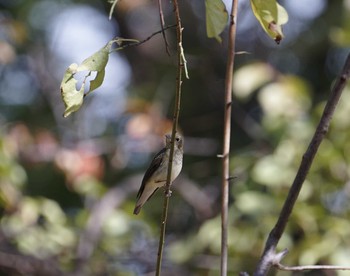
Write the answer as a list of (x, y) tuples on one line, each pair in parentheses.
[(156, 174)]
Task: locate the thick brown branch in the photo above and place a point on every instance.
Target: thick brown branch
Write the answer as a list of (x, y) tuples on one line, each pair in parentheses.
[(321, 130)]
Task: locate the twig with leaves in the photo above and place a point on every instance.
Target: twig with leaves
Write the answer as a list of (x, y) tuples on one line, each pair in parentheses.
[(269, 255), (74, 98)]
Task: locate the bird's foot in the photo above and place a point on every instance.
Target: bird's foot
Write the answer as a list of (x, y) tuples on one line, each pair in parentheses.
[(168, 193)]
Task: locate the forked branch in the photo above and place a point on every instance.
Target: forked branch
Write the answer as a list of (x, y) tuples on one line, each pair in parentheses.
[(269, 253)]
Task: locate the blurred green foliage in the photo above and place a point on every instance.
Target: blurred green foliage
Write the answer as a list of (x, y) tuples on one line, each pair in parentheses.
[(68, 186)]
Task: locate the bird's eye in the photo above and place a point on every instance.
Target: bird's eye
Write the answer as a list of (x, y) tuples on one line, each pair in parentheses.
[(177, 139)]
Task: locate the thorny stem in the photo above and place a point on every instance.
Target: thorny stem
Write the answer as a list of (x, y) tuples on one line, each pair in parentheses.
[(266, 260), (227, 137), (180, 66)]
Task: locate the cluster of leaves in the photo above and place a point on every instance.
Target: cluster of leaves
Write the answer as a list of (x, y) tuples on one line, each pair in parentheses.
[(269, 13)]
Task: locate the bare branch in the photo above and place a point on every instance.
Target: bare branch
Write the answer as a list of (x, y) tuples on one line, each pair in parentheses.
[(308, 157), (276, 262), (311, 267), (162, 23), (227, 137), (143, 41), (180, 66)]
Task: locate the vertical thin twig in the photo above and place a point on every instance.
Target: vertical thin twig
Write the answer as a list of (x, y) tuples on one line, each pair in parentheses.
[(267, 258), (162, 23), (180, 66), (227, 136)]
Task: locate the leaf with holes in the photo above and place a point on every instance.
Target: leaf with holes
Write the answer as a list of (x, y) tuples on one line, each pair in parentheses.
[(73, 98), (271, 16), (216, 18)]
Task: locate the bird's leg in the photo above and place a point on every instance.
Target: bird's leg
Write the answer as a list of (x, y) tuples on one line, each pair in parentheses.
[(167, 193)]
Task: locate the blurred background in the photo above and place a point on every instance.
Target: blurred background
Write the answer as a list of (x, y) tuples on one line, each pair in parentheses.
[(68, 185)]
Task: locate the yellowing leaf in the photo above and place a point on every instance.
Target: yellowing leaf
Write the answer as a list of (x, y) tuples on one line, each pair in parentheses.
[(73, 98), (271, 16), (98, 60), (216, 18), (97, 81)]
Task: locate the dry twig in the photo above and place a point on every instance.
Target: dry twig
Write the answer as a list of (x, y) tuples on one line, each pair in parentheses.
[(269, 254), (227, 136), (180, 67), (162, 24)]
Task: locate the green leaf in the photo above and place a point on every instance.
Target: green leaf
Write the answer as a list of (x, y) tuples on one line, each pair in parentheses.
[(216, 18), (271, 16), (73, 98)]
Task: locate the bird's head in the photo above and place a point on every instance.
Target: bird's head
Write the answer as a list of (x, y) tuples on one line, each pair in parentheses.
[(178, 140)]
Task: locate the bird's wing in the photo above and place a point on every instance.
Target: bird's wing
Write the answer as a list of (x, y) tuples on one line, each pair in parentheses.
[(155, 164)]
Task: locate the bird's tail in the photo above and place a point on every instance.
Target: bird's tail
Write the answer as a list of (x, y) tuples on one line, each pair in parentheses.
[(144, 197)]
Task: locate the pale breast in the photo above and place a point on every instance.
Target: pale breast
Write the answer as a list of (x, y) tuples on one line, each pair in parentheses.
[(177, 165), (162, 172)]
